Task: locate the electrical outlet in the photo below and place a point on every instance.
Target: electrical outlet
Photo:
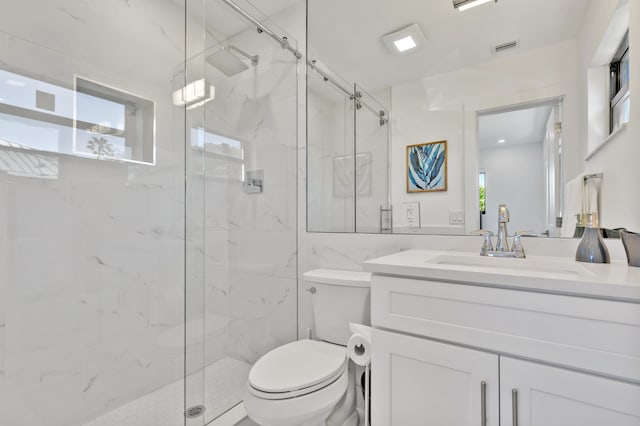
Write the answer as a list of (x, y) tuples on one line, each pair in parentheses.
[(412, 213), (456, 217)]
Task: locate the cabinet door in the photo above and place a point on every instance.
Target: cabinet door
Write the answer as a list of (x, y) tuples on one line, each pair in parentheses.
[(552, 396), (417, 381)]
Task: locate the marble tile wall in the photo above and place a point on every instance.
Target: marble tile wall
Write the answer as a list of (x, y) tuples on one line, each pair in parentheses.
[(92, 256), (92, 261)]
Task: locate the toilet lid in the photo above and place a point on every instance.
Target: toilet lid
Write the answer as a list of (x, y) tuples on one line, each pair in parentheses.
[(297, 365)]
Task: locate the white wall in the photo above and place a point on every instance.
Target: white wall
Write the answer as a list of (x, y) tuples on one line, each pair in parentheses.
[(618, 158), (427, 111), (515, 176), (444, 107)]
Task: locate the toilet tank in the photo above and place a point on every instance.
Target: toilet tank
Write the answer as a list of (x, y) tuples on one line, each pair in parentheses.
[(338, 298)]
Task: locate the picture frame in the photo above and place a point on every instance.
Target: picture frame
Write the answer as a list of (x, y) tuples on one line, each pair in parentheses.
[(427, 167)]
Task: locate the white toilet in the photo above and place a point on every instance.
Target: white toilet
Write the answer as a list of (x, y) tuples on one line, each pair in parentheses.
[(308, 382)]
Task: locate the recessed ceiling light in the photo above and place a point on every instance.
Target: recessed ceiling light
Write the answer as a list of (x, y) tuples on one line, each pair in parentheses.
[(404, 40), (405, 43), (501, 141), (463, 5)]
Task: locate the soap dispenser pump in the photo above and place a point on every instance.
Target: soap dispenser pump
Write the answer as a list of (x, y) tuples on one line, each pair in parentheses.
[(592, 248)]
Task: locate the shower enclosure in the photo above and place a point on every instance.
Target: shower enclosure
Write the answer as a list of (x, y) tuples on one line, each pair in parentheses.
[(148, 180)]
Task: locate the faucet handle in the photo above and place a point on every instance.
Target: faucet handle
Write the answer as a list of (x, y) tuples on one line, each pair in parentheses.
[(526, 234), (517, 244), (487, 244), (503, 213)]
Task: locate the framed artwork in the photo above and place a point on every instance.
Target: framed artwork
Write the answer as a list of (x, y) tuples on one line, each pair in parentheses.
[(427, 167)]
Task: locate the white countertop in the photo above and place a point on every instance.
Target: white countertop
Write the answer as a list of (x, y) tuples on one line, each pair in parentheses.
[(616, 281)]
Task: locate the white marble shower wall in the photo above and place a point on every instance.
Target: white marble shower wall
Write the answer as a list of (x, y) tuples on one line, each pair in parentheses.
[(91, 251)]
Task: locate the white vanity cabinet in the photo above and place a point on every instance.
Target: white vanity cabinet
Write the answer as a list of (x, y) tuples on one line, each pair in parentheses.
[(551, 396), (418, 381), (422, 382), (450, 349)]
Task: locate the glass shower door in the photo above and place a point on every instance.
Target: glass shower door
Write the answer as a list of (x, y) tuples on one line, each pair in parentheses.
[(330, 148), (371, 163), (241, 201)]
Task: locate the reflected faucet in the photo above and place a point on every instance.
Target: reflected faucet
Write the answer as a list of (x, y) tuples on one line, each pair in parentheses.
[(503, 218)]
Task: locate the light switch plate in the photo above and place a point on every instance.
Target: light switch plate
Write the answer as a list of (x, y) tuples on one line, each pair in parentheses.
[(456, 217)]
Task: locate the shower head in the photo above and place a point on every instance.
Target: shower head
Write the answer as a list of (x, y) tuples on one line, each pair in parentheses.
[(228, 63)]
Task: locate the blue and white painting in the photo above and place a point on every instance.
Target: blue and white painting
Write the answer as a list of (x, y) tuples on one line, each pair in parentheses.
[(427, 167)]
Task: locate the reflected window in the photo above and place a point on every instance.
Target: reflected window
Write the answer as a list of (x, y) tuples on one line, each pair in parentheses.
[(224, 156), (483, 199), (93, 120)]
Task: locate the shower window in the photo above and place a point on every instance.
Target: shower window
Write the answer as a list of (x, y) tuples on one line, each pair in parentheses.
[(92, 121), (110, 123)]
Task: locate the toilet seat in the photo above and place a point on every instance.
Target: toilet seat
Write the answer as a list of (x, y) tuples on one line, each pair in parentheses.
[(310, 409), (297, 369)]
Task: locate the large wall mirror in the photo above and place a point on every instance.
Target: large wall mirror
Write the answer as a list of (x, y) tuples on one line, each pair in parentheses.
[(441, 114)]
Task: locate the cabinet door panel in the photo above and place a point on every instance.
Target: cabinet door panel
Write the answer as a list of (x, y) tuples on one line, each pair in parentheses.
[(551, 396), (417, 381)]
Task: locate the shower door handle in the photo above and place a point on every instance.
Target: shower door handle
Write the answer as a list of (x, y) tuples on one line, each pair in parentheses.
[(514, 407)]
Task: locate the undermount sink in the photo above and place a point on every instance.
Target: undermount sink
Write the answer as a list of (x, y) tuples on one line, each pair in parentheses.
[(540, 265)]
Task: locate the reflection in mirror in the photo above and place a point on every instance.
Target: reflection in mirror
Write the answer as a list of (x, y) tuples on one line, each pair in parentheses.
[(521, 147), (348, 154), (482, 60), (224, 155)]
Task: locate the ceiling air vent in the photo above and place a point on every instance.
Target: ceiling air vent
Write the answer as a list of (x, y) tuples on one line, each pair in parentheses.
[(499, 48)]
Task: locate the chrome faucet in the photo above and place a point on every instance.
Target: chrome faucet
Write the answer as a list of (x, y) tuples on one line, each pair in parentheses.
[(503, 218), (502, 245)]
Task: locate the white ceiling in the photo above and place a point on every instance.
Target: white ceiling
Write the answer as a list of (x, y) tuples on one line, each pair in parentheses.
[(515, 127), (346, 34)]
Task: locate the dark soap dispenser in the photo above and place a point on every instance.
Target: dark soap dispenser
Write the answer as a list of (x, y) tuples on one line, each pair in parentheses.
[(592, 248)]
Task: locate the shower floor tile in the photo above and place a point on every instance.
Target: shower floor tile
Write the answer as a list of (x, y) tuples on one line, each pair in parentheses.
[(225, 381)]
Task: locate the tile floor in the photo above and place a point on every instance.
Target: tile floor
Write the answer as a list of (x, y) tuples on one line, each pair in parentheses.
[(225, 381)]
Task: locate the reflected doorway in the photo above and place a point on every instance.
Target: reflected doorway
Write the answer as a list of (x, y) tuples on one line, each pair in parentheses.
[(520, 165)]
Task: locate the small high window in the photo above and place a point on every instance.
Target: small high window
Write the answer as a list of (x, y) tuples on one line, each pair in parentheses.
[(619, 86)]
